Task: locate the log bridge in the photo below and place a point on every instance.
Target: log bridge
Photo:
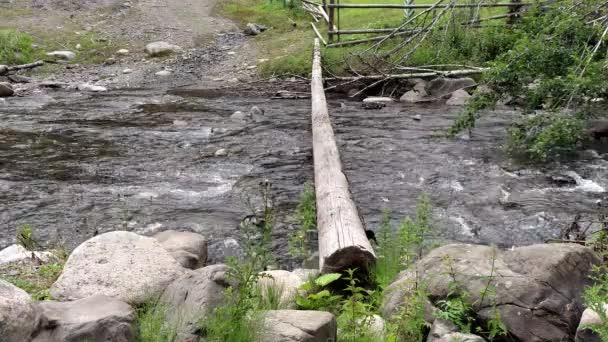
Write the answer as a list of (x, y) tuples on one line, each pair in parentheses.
[(343, 243)]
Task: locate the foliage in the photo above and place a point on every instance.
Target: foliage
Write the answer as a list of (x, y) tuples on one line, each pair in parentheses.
[(545, 136), (306, 216), (596, 297), (456, 308), (315, 295), (356, 309), (25, 237), (34, 280), (151, 324), (15, 47), (408, 324)]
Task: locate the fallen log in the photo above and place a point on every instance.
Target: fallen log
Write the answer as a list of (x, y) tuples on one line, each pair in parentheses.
[(4, 69), (451, 73), (343, 243)]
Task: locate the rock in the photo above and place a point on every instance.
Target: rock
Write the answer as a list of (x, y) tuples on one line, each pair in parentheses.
[(376, 99), (417, 93), (375, 325), (127, 71), (194, 296), (18, 253), (301, 326), (18, 318), (311, 262), (92, 88), (6, 89), (159, 49), (417, 117), (238, 116), (589, 318), (97, 318), (373, 105), (122, 52), (254, 29), (119, 264), (537, 292), (285, 284), (442, 86), (78, 46), (3, 69), (222, 152), (163, 73), (445, 331), (459, 98), (562, 180), (19, 79), (597, 130), (255, 110), (110, 61), (62, 55), (189, 249)]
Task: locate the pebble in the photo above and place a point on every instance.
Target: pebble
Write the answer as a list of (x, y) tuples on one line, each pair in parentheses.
[(218, 79), (232, 53), (163, 73), (92, 88), (222, 152), (122, 52), (127, 71), (417, 117)]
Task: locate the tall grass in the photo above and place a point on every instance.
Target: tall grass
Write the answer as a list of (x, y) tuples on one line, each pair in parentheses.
[(15, 47), (151, 324)]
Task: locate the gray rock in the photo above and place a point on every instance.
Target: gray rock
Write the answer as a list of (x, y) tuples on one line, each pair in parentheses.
[(239, 116), (122, 52), (110, 61), (189, 249), (255, 110), (163, 73), (6, 89), (127, 71), (537, 293), (18, 253), (18, 318), (589, 318), (301, 326), (414, 96), (254, 29), (442, 86), (92, 88), (284, 283), (119, 264), (3, 69), (222, 152), (194, 296), (159, 49), (444, 331), (96, 319), (459, 98), (417, 117), (376, 99), (62, 55), (19, 79)]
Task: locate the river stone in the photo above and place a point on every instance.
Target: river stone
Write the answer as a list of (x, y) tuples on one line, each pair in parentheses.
[(122, 52), (194, 296), (189, 249), (18, 318), (96, 319), (239, 116), (255, 111), (284, 283), (414, 96), (6, 89), (163, 73), (537, 288), (459, 98), (3, 69), (254, 29), (442, 86), (301, 326), (377, 99), (159, 49), (18, 253), (62, 55), (119, 264), (445, 331), (589, 318), (92, 88)]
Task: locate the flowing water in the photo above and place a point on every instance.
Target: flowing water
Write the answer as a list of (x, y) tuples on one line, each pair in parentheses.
[(75, 165)]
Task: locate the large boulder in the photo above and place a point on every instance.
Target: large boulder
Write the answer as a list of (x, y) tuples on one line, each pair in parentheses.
[(442, 86), (6, 89), (159, 49), (537, 289), (584, 333), (192, 297), (18, 318), (189, 249), (95, 319), (300, 326), (444, 331), (123, 265), (284, 284), (417, 93)]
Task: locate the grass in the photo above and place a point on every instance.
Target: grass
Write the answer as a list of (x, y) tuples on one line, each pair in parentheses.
[(35, 280), (15, 47), (151, 324)]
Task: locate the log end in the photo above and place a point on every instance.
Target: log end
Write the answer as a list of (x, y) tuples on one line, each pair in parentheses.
[(352, 257)]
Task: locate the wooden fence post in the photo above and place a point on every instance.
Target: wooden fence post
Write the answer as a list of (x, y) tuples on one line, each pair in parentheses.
[(331, 13), (343, 243)]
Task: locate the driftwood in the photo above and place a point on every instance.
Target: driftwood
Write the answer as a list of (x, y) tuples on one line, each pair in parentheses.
[(343, 243), (436, 73), (6, 69)]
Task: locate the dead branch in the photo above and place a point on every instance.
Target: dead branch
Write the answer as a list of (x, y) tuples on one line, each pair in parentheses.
[(7, 69)]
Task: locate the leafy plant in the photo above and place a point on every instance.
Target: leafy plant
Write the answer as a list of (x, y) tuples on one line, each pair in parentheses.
[(151, 324), (317, 297), (596, 297), (306, 216), (356, 309), (15, 47), (25, 237)]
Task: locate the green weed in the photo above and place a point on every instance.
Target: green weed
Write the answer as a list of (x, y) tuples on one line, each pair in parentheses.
[(306, 216), (151, 324), (15, 47)]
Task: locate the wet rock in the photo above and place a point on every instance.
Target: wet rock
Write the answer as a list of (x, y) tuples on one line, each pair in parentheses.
[(442, 86), (445, 331), (589, 318), (239, 116), (96, 318), (163, 73), (3, 69), (189, 249), (301, 326), (375, 325), (417, 117), (92, 88), (376, 99), (414, 96), (562, 180), (459, 98), (122, 52), (6, 89), (159, 49), (127, 71), (538, 293), (110, 61), (62, 55), (118, 264), (222, 152), (19, 79), (18, 318), (192, 297), (17, 253), (255, 110), (254, 29), (284, 283)]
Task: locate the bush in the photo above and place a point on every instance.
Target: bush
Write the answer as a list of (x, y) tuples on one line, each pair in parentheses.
[(15, 47)]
